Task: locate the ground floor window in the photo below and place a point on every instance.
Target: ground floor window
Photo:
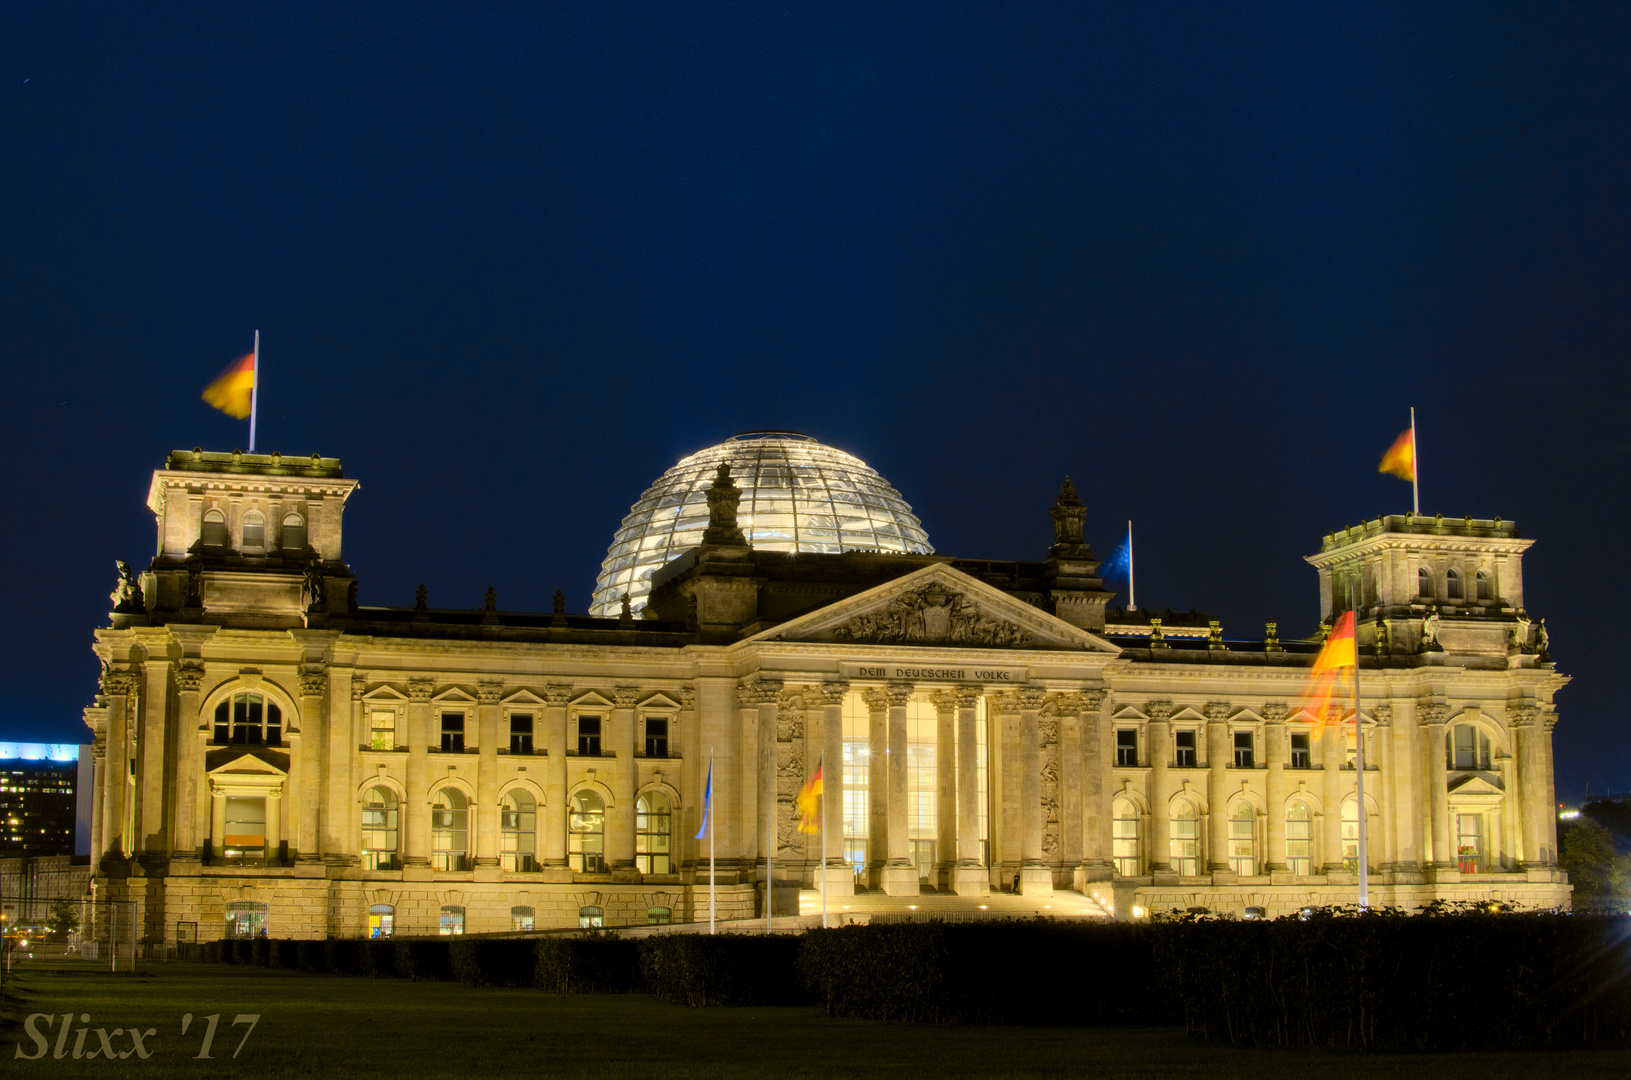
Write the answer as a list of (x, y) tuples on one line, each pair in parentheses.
[(452, 921), (659, 916), (521, 918), (381, 921), (246, 919), (1299, 839), (1186, 839), (1124, 838), (586, 834), (1243, 840), (652, 817), (591, 917), (246, 829), (1469, 843)]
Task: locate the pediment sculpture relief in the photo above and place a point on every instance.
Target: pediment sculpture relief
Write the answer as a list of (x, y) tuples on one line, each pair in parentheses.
[(933, 615)]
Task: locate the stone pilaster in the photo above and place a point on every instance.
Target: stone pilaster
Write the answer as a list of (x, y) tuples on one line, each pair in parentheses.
[(790, 775), (1523, 720), (189, 678), (308, 790), (484, 820), (945, 773), (1219, 756), (1160, 736), (1411, 821), (1275, 752), (152, 814), (1097, 751), (620, 815), (759, 698), (556, 696), (117, 687), (1381, 850), (1035, 878), (1432, 716), (970, 877), (1332, 752), (840, 877), (877, 773), (413, 821)]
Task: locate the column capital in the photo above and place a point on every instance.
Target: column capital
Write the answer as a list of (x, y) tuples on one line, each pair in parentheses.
[(625, 696), (945, 701), (1274, 712), (876, 698), (1431, 712), (189, 677), (1158, 710), (557, 694), (420, 689), (687, 696), (899, 694), (1071, 703), (313, 683), (791, 699), (1093, 700), (1031, 698), (1523, 716), (1382, 714), (1217, 712), (967, 696), (758, 691), (830, 693), (118, 683), (359, 685)]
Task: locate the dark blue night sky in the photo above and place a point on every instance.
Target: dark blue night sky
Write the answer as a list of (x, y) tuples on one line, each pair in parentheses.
[(511, 262)]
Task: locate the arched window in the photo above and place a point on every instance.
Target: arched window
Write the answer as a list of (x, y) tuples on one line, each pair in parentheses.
[(381, 921), (1424, 582), (294, 533), (651, 831), (518, 828), (1299, 838), (522, 918), (450, 831), (1186, 839), (586, 834), (1481, 581), (379, 830), (1243, 839), (214, 531), (1467, 748), (659, 916), (452, 920), (590, 917), (254, 531), (1350, 835), (1124, 837), (1452, 584), (246, 919), (249, 718)]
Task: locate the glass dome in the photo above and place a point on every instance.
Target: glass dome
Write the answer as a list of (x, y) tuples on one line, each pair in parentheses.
[(797, 495)]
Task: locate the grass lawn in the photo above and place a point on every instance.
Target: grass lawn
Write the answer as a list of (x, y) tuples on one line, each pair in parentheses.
[(322, 1025)]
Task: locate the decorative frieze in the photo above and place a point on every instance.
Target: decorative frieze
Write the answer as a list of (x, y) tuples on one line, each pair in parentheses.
[(189, 678), (932, 615)]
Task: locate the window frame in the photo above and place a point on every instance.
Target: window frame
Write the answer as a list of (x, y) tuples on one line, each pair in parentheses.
[(522, 743), (583, 860), (1249, 750), (252, 519), (1126, 749), (1179, 751), (258, 922), (1452, 585), (391, 824), (1424, 583), (1306, 750), (450, 921), (518, 842), (657, 746), (447, 857), (452, 740), (1242, 840), (1126, 844), (381, 921), (375, 711), (1300, 864), (590, 745), (1184, 846), (591, 917), (653, 847), (213, 516), (284, 529), (520, 912), (227, 726)]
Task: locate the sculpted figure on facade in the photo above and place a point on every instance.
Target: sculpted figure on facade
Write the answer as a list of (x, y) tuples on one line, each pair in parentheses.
[(932, 614), (127, 595)]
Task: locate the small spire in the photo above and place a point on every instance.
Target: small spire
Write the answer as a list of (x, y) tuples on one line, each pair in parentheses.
[(626, 619), (1069, 517), (420, 596), (559, 617), (490, 613), (723, 498)]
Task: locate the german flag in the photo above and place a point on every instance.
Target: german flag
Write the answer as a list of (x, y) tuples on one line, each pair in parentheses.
[(1400, 459), (1338, 654), (233, 391), (809, 803)]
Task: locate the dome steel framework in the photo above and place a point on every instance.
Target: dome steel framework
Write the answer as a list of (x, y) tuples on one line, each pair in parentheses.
[(797, 495)]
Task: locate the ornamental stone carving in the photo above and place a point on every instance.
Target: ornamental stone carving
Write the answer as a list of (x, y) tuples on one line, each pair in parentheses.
[(313, 683), (1383, 715), (1522, 716), (875, 697), (967, 697), (932, 614), (1274, 712), (189, 678), (1158, 710), (688, 697), (359, 686), (421, 689), (830, 693), (789, 716), (945, 701), (899, 694), (1031, 697), (1072, 704), (118, 683), (557, 694), (758, 692), (1047, 732), (1431, 713), (625, 696), (488, 693), (1217, 712)]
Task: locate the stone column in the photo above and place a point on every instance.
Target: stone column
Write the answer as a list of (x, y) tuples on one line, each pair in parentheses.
[(1548, 785), (1432, 716), (413, 819), (1380, 848), (1521, 721), (761, 697), (620, 819), (1412, 812), (1034, 876), (970, 877), (117, 686), (485, 818), (840, 878), (189, 762), (1332, 753), (1160, 736), (877, 776), (900, 873), (308, 792), (945, 795), (152, 815), (1275, 752), (1097, 752), (1219, 756), (342, 825), (556, 695), (99, 777), (685, 739)]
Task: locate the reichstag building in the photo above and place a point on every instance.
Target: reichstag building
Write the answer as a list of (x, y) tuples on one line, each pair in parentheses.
[(273, 755)]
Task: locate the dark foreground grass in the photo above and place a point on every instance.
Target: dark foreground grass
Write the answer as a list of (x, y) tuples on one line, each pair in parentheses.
[(319, 1025)]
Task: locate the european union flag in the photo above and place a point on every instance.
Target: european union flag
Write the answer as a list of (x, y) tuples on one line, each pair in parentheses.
[(1118, 564)]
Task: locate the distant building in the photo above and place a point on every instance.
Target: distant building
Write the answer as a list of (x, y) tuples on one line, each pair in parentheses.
[(274, 756), (37, 799)]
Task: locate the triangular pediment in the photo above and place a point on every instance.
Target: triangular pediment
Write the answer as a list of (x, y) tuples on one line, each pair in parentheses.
[(454, 695), (242, 761), (1474, 786), (523, 697), (937, 606), (659, 700)]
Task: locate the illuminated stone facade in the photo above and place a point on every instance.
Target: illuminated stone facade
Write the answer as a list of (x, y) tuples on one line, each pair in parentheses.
[(287, 760)]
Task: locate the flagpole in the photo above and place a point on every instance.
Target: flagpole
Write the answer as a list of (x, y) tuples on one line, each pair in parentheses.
[(254, 391), (1359, 755), (1132, 594), (823, 850), (1415, 468), (770, 839), (709, 811)]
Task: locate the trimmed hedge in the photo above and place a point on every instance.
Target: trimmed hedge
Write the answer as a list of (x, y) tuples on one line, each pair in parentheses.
[(378, 958), (1385, 981), (423, 959), (493, 961), (343, 956), (591, 964), (728, 969)]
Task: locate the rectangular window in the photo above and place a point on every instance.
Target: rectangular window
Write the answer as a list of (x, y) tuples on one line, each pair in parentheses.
[(1186, 846), (657, 736), (1126, 747), (521, 733), (1301, 756), (1469, 845), (382, 729), (1244, 750), (246, 829), (1300, 842), (588, 736), (1124, 840), (452, 921), (1184, 742), (453, 733)]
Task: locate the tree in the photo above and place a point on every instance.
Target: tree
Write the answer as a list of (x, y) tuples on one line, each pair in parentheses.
[(63, 920)]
